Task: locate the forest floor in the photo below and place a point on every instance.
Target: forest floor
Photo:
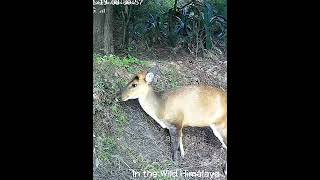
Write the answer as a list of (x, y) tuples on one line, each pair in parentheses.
[(129, 144)]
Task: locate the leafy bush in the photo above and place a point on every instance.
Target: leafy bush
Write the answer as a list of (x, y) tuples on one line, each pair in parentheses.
[(202, 23), (193, 24)]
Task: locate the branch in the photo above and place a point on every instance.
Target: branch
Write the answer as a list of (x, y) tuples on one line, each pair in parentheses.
[(185, 5)]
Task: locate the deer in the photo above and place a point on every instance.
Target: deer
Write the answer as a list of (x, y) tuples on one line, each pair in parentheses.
[(191, 105)]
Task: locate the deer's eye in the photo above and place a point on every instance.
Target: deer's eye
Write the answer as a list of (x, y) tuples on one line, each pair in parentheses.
[(134, 85)]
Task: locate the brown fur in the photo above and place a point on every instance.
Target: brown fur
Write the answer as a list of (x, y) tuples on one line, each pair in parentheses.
[(196, 106)]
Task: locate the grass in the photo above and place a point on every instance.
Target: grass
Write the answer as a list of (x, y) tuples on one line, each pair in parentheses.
[(106, 146), (107, 81), (111, 73), (125, 62), (173, 77), (120, 116)]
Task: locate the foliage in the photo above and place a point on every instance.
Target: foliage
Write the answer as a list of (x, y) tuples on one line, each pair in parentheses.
[(195, 25), (201, 26), (125, 62), (106, 146)]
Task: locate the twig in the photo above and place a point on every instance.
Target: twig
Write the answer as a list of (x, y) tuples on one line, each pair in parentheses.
[(185, 5), (118, 157)]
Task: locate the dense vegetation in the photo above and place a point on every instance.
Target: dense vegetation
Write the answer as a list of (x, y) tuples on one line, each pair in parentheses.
[(193, 25)]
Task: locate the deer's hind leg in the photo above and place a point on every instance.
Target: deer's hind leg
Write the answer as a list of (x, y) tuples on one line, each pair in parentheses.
[(220, 134), (180, 143)]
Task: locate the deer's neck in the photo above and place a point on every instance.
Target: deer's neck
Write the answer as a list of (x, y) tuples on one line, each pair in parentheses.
[(151, 103)]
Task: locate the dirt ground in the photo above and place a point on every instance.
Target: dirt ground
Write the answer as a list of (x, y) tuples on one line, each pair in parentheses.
[(141, 144)]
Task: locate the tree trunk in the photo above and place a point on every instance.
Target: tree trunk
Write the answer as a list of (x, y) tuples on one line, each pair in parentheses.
[(126, 20), (108, 34), (98, 23), (172, 13)]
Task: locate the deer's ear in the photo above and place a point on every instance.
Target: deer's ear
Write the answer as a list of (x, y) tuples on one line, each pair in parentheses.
[(149, 77)]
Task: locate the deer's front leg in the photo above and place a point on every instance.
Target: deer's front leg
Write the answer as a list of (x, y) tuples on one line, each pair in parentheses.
[(174, 142)]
